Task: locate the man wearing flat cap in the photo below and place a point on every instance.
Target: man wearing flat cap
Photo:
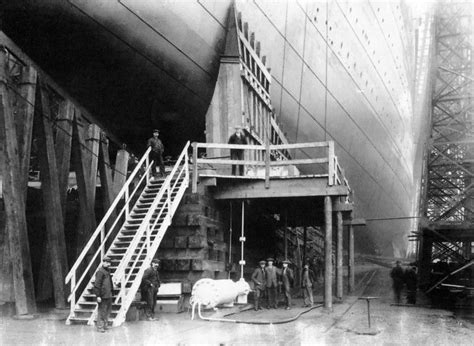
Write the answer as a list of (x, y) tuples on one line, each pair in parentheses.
[(258, 278), (237, 154), (103, 287), (287, 279), (156, 153), (271, 273), (149, 288)]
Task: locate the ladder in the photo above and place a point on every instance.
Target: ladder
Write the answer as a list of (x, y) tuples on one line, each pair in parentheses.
[(130, 234)]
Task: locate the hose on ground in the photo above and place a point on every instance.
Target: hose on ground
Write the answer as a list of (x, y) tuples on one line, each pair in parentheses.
[(288, 320)]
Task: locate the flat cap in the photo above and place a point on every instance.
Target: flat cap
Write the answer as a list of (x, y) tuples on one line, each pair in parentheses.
[(106, 259), (286, 261), (156, 130), (262, 262), (155, 260), (270, 259)]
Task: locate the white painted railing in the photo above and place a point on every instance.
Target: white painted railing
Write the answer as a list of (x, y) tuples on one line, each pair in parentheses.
[(176, 183), (96, 247)]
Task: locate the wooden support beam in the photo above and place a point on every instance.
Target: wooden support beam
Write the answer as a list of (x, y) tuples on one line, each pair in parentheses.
[(24, 122), (93, 143), (14, 203), (106, 180), (351, 257), (51, 199), (339, 276), (63, 144), (120, 171), (328, 253), (81, 164)]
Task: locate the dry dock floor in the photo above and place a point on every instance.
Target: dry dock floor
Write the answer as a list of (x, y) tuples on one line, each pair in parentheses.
[(345, 325)]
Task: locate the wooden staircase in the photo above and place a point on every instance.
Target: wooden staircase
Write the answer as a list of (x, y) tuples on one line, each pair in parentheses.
[(148, 206)]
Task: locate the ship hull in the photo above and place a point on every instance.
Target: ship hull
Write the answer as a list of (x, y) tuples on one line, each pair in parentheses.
[(341, 71)]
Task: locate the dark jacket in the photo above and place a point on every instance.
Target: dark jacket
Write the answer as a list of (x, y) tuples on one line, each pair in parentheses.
[(398, 276), (258, 278), (411, 279), (287, 277), (234, 139), (308, 278), (156, 145), (103, 283), (151, 276), (271, 276)]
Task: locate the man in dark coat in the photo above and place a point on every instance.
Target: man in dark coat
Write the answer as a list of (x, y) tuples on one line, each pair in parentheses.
[(237, 154), (258, 278), (411, 280), (398, 279), (156, 153), (271, 274), (103, 287), (149, 288), (307, 285), (287, 279)]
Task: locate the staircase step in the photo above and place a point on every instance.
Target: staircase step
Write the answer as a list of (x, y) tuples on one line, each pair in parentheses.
[(79, 320)]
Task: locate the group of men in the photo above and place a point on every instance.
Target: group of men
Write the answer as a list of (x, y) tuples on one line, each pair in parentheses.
[(103, 290), (401, 277), (267, 278)]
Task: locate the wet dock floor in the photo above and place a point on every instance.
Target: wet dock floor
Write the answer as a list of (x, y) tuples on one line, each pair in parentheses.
[(346, 324)]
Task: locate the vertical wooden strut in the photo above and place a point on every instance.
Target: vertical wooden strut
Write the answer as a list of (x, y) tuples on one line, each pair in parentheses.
[(339, 277), (52, 199), (15, 203), (120, 171), (351, 256), (328, 253)]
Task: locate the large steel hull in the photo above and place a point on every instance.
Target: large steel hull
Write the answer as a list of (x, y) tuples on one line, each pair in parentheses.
[(357, 80)]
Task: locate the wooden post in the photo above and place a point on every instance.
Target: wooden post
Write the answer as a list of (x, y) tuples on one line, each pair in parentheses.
[(87, 220), (14, 203), (93, 143), (52, 200), (24, 122), (328, 254), (331, 168), (305, 234), (120, 171), (106, 180), (63, 148), (339, 276), (285, 231), (351, 256)]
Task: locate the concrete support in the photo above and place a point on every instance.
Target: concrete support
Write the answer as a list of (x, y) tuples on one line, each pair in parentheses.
[(14, 201), (351, 272), (328, 253), (339, 276)]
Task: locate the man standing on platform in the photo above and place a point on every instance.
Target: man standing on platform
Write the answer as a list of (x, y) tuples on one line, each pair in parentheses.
[(258, 278), (237, 154), (271, 283), (398, 279), (287, 279), (307, 285), (149, 288), (156, 153), (103, 287)]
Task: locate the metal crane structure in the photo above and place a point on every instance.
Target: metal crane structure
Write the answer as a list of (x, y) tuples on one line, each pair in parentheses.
[(447, 234)]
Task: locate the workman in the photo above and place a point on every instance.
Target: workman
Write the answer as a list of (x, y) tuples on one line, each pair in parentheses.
[(237, 154), (287, 279), (156, 153), (258, 278), (271, 274), (307, 286), (398, 279), (103, 288), (149, 288)]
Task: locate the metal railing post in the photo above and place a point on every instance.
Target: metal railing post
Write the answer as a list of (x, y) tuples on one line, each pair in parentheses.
[(127, 203), (73, 295), (195, 167), (331, 168), (147, 163)]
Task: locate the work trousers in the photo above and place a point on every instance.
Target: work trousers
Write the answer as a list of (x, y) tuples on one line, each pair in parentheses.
[(271, 297), (103, 312), (149, 295), (287, 292), (397, 291), (258, 293), (237, 155), (308, 295), (157, 158)]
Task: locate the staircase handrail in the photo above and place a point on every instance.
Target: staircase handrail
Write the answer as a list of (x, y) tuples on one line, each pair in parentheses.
[(120, 271), (127, 300), (106, 237), (107, 215)]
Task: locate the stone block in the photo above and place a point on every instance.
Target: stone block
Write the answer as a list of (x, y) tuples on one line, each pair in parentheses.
[(183, 265), (196, 242), (181, 242)]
